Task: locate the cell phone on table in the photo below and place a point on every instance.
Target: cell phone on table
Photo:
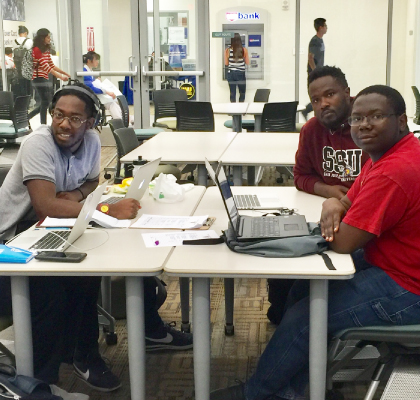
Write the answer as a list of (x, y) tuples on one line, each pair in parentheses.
[(60, 256)]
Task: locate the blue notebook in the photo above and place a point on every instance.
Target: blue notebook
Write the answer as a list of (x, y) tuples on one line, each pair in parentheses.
[(10, 254)]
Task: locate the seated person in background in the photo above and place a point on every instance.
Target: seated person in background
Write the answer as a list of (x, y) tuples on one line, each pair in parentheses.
[(167, 81), (90, 61), (8, 51), (327, 160), (64, 317), (375, 216)]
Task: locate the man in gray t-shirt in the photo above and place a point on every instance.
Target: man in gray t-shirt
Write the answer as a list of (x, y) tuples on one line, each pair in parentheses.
[(56, 168), (316, 52)]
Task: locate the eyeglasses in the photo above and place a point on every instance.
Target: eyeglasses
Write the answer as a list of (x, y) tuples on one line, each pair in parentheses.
[(75, 122), (373, 119)]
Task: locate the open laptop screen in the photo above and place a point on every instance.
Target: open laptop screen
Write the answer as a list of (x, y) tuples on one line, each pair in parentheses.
[(228, 198)]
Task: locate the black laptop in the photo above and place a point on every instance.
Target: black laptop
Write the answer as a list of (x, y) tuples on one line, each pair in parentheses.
[(256, 228)]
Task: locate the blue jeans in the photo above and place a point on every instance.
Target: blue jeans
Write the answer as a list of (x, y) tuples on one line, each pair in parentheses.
[(237, 78), (371, 298)]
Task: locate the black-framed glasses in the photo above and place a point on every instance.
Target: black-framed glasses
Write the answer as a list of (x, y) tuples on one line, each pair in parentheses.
[(74, 121), (374, 119)]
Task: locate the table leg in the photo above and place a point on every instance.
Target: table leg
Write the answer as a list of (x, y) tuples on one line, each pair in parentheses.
[(237, 123), (21, 307), (318, 338), (251, 176), (202, 175), (202, 336), (257, 123), (237, 175), (229, 300), (184, 289), (136, 336)]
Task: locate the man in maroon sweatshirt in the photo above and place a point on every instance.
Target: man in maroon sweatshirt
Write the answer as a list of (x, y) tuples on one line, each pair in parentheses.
[(327, 160)]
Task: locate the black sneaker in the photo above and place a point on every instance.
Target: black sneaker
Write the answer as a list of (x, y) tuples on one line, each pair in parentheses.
[(166, 337), (96, 373)]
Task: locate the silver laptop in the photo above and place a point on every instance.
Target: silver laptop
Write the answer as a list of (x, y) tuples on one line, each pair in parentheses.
[(249, 228), (139, 184), (60, 240), (252, 201)]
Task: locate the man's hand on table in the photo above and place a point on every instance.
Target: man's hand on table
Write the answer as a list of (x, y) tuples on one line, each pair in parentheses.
[(332, 213), (124, 209)]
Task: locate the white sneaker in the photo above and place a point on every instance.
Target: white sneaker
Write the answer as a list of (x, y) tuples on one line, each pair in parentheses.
[(66, 395)]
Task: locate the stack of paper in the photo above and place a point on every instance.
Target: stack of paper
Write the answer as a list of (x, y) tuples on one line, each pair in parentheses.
[(169, 222)]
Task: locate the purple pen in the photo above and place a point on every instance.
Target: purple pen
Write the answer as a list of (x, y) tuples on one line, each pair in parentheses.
[(157, 242)]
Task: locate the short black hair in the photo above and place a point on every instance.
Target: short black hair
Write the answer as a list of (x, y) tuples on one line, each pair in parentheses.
[(8, 50), (90, 55), (328, 70), (318, 22), (90, 108), (22, 29), (393, 96)]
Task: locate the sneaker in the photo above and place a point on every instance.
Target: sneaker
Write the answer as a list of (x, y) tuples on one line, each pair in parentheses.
[(96, 373), (166, 337), (235, 392), (66, 395)]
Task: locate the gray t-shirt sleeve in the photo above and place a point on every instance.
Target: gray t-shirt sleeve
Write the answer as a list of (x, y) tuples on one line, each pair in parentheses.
[(38, 159)]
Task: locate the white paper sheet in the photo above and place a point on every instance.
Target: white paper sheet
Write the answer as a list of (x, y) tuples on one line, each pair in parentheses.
[(109, 222), (166, 239), (169, 222), (58, 222)]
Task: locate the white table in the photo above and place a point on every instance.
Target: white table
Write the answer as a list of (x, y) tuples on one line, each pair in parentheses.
[(219, 261), (236, 110), (121, 253), (184, 147), (260, 149)]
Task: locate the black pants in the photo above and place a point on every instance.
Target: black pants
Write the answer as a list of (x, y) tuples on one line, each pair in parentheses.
[(278, 290), (43, 88)]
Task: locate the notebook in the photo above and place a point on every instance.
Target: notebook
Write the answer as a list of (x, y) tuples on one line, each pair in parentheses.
[(139, 184), (248, 228), (60, 240), (252, 201)]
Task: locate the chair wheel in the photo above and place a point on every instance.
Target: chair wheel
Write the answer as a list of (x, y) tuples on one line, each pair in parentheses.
[(229, 330), (191, 178), (107, 176), (111, 338), (279, 180), (186, 327)]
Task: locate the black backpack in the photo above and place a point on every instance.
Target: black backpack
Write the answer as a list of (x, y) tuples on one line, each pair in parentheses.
[(18, 55)]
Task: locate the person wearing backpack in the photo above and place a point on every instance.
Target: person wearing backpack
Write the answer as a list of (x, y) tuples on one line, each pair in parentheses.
[(23, 44), (42, 67)]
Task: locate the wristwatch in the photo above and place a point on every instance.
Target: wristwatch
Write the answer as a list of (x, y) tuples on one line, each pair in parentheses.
[(103, 207)]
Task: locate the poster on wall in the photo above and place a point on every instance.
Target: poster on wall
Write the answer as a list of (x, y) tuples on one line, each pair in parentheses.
[(90, 39), (13, 10), (177, 52)]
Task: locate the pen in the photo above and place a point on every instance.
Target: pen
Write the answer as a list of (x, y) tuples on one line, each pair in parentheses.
[(157, 242)]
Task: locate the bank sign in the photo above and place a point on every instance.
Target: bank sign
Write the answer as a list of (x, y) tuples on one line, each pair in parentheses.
[(238, 16)]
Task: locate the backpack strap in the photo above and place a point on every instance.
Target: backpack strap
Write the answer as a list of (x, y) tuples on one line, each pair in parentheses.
[(327, 261), (23, 43), (17, 42)]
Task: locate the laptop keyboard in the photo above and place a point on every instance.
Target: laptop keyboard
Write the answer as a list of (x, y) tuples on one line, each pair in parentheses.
[(247, 201), (265, 226), (112, 200), (52, 240)]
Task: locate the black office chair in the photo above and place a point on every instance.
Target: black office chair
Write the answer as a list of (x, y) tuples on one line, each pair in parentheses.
[(390, 343), (126, 141), (125, 112), (164, 103), (416, 118), (15, 111), (194, 116), (279, 117), (261, 96)]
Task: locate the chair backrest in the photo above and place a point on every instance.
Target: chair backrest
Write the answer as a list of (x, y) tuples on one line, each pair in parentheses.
[(126, 140), (122, 101), (7, 106), (194, 116), (262, 95), (21, 112), (164, 102), (416, 118), (116, 124), (279, 117), (4, 169)]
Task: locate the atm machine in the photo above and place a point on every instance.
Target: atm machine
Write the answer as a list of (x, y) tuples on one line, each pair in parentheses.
[(252, 36)]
